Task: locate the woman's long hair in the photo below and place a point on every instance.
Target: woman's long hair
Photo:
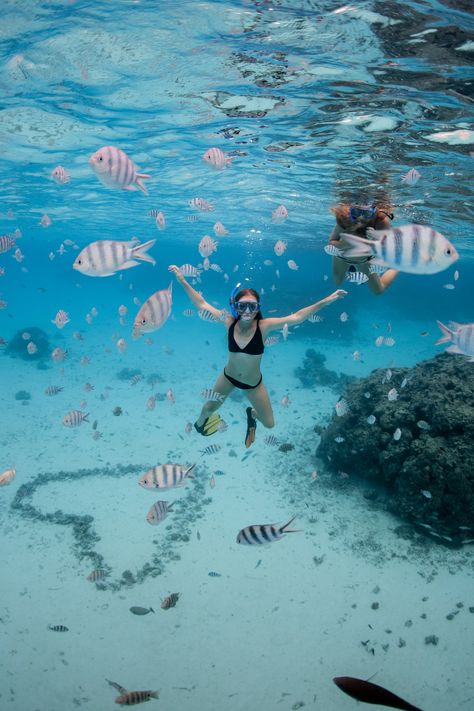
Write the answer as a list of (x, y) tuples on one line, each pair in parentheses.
[(244, 292)]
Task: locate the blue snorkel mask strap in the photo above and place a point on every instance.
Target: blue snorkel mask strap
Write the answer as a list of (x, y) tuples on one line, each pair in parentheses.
[(233, 294)]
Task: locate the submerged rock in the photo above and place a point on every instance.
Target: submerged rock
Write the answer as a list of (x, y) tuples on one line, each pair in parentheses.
[(314, 372), (18, 345), (427, 470)]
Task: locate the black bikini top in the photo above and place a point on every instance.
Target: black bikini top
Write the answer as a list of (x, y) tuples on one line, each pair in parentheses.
[(254, 346)]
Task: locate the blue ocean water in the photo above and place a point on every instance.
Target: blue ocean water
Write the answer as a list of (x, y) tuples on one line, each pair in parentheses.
[(318, 103)]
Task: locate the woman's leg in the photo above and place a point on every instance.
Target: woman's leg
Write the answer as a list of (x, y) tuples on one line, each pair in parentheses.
[(261, 405), (377, 284), (339, 269), (224, 388)]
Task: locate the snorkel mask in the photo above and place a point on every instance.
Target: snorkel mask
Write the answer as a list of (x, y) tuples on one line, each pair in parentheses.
[(367, 212), (233, 308)]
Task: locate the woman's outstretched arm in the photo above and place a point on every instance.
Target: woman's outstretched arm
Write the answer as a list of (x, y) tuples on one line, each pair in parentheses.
[(273, 324), (197, 299)]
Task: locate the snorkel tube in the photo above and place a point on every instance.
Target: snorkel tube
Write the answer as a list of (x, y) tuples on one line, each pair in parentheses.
[(233, 294)]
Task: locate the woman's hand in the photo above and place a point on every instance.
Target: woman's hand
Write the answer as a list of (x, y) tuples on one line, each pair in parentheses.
[(175, 270), (338, 294)]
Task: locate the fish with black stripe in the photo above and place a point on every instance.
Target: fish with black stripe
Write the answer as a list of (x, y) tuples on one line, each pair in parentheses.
[(106, 257), (415, 249), (153, 313), (132, 698), (261, 534), (166, 476)]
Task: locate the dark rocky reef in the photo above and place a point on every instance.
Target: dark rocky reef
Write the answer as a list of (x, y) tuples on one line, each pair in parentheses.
[(17, 346), (314, 372), (428, 472)]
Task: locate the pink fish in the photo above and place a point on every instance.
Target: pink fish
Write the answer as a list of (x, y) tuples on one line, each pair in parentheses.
[(279, 214), (217, 158), (60, 175), (115, 169), (6, 243), (201, 204), (412, 177), (207, 246), (61, 319), (46, 221), (280, 247), (154, 313), (7, 476), (292, 265), (220, 230)]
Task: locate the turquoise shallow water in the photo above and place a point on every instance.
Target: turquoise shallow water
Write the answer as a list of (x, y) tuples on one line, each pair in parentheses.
[(317, 102)]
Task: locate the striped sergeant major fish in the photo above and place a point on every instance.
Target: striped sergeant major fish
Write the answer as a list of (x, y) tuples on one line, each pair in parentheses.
[(211, 395), (461, 335), (106, 257), (166, 476), (259, 534), (415, 249), (115, 169), (372, 693), (188, 270), (357, 278), (153, 313), (211, 449), (158, 512), (74, 418), (6, 243)]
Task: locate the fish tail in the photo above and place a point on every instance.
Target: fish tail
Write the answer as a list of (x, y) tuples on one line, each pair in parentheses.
[(189, 470), (140, 252), (359, 247), (138, 182), (85, 417), (284, 529), (447, 336), (154, 695)]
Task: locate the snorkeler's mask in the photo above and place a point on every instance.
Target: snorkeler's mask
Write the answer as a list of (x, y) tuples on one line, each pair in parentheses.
[(237, 310), (366, 212)]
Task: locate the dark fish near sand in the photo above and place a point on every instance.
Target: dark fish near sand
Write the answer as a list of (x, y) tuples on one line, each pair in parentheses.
[(372, 693), (58, 628), (137, 610), (169, 601)]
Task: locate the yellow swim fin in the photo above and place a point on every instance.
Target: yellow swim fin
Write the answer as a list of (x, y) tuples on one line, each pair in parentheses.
[(210, 425)]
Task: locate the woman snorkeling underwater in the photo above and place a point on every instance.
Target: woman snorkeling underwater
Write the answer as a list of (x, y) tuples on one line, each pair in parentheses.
[(356, 220), (246, 333)]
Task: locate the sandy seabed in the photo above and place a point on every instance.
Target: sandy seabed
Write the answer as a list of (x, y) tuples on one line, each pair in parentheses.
[(347, 595)]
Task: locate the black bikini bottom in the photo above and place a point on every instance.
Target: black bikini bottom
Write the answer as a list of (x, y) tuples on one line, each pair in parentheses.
[(242, 386)]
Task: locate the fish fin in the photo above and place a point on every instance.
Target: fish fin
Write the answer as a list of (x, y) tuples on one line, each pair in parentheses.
[(138, 182), (447, 336), (359, 247), (454, 325), (84, 417), (140, 252), (152, 610), (117, 687), (374, 234), (128, 265), (154, 695)]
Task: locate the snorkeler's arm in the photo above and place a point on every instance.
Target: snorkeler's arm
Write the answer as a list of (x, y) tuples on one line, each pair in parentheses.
[(197, 299), (273, 324), (335, 238)]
